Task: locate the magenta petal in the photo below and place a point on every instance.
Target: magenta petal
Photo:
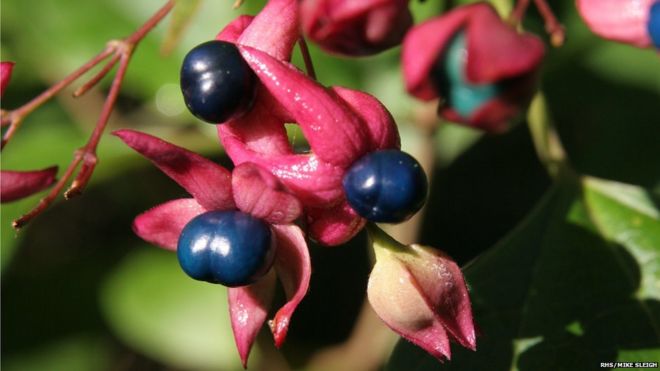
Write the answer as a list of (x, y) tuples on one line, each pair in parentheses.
[(274, 30), (5, 75), (248, 309), (423, 45), (380, 123), (619, 20), (335, 134), (496, 50), (162, 225), (260, 193), (294, 268), (19, 184), (205, 180), (333, 226)]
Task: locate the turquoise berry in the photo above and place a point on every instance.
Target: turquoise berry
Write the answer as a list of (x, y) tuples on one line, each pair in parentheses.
[(449, 77)]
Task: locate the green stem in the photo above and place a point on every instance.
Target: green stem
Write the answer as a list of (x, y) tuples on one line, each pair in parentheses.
[(382, 242), (546, 140)]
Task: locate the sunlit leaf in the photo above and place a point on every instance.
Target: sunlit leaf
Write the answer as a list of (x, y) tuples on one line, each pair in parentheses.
[(158, 310), (627, 215)]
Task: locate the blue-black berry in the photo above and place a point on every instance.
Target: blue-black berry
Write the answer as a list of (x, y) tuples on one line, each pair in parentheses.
[(216, 82), (231, 248), (653, 25), (386, 186)]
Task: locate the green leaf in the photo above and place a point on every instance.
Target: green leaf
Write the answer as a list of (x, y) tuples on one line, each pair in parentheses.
[(626, 215), (155, 308), (562, 292)]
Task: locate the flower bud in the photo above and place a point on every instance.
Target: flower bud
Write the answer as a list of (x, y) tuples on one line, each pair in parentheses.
[(420, 293), (355, 28)]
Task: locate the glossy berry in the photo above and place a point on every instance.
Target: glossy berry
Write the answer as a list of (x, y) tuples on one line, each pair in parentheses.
[(386, 186), (654, 24), (227, 247), (449, 77), (216, 82)]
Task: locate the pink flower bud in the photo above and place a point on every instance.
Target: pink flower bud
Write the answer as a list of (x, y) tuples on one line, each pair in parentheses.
[(420, 293), (355, 28)]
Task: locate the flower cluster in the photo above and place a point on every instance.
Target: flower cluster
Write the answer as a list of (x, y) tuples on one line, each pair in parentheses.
[(240, 223)]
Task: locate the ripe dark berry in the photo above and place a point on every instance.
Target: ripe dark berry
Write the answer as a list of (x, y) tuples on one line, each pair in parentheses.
[(386, 186), (216, 82), (654, 24), (227, 247), (449, 78)]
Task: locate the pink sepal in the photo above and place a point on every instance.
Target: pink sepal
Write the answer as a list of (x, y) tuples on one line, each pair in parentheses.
[(235, 28), (19, 184), (311, 180), (205, 180), (496, 50), (334, 225), (261, 130), (619, 20), (5, 75), (248, 310), (355, 28), (274, 30), (443, 287), (422, 47), (162, 224), (294, 269), (260, 193), (335, 134), (383, 133)]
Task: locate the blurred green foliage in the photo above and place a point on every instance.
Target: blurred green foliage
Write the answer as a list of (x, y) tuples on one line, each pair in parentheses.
[(81, 292)]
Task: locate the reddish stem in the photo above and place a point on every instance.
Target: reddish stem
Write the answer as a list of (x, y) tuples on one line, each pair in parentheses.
[(123, 51), (100, 75), (15, 117), (552, 25), (307, 58)]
